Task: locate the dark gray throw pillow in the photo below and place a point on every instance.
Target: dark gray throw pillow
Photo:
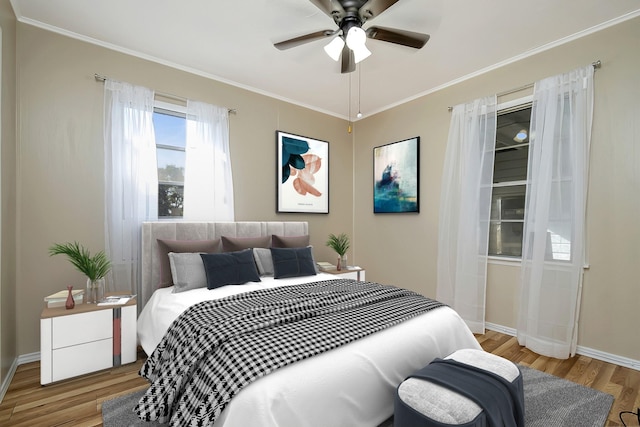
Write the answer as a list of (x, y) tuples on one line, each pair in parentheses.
[(230, 268), (292, 262)]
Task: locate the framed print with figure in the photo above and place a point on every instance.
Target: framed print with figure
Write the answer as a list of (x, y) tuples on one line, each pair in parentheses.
[(396, 177), (303, 174)]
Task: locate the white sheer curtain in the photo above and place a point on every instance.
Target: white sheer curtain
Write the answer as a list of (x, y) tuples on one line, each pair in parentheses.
[(208, 184), (465, 206), (131, 177), (554, 229)]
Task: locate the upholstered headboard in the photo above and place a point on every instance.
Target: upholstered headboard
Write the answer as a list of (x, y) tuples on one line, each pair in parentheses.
[(151, 231)]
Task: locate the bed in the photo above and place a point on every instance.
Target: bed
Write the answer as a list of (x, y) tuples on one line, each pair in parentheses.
[(352, 385)]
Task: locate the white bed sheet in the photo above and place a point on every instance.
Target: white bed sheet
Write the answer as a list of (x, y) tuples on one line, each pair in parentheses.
[(352, 386)]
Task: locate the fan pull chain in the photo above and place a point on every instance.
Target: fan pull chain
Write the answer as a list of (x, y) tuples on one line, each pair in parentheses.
[(349, 129)]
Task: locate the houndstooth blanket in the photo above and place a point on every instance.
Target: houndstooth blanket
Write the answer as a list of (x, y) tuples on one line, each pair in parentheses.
[(215, 348)]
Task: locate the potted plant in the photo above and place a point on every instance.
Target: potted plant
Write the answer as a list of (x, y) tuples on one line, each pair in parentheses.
[(340, 244), (94, 267)]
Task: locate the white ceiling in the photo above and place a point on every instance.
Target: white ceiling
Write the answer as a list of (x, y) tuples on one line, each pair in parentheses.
[(232, 41)]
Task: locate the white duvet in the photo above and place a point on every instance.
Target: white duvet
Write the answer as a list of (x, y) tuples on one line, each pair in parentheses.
[(351, 386)]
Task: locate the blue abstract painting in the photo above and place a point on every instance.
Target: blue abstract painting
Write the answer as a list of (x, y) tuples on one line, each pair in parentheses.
[(396, 177)]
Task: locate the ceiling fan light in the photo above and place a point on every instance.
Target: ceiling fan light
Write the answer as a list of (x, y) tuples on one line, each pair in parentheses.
[(361, 54), (356, 37), (334, 48)]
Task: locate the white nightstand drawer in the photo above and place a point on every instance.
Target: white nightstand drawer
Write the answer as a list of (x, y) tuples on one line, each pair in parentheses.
[(81, 328), (82, 359)]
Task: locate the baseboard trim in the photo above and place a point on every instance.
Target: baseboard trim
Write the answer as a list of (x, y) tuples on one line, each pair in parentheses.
[(28, 358), (584, 351), (7, 380), (20, 360)]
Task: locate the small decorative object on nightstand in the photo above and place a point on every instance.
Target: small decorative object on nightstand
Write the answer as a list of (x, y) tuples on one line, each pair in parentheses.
[(70, 302)]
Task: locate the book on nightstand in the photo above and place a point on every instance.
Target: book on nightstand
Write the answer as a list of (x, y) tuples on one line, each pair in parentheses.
[(116, 300), (59, 299), (325, 266)]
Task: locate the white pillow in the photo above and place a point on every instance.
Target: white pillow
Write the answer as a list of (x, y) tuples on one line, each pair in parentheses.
[(187, 271)]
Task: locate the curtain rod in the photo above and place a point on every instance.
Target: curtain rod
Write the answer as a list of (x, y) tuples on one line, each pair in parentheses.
[(597, 64), (101, 79)]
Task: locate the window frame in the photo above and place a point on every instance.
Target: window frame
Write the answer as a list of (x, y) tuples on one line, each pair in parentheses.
[(175, 110), (504, 108)]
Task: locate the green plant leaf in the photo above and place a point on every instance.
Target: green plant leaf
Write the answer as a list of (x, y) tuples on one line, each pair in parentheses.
[(94, 267), (340, 243)]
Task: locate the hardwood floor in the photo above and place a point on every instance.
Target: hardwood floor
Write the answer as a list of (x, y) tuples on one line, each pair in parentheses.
[(78, 402), (623, 383)]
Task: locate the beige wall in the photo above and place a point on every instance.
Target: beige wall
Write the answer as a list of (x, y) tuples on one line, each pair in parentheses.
[(609, 314), (61, 158), (60, 174), (8, 192)]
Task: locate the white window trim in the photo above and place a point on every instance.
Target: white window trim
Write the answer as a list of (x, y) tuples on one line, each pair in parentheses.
[(514, 103), (169, 107)]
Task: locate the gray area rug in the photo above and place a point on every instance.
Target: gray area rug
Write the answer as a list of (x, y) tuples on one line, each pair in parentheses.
[(549, 402)]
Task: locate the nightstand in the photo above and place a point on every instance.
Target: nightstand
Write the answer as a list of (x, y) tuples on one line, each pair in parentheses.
[(355, 273), (85, 339)]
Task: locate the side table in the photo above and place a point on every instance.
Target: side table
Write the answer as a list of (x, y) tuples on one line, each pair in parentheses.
[(85, 339), (355, 273)]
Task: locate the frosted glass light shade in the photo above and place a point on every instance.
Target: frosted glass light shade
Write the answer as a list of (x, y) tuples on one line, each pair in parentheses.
[(361, 53), (334, 48), (356, 39)]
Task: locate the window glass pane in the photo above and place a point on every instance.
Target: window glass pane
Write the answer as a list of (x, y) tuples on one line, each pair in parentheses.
[(507, 220), (512, 149), (505, 238), (170, 130), (511, 164), (170, 200), (513, 128), (170, 165), (507, 203)]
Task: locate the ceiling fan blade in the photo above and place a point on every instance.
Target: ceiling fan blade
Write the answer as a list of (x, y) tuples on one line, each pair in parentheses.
[(401, 37), (332, 8), (373, 8), (348, 61), (297, 41)]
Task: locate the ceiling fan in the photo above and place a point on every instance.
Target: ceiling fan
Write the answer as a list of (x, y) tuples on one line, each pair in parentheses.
[(349, 43)]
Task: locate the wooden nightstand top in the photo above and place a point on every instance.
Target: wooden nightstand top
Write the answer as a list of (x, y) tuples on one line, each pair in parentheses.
[(343, 271), (82, 308)]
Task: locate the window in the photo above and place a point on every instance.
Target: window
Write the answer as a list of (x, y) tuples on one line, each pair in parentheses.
[(169, 124), (509, 181)]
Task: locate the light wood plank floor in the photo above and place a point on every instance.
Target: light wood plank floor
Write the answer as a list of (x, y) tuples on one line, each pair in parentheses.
[(78, 402)]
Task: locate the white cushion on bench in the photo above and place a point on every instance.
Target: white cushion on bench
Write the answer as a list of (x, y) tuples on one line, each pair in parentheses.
[(446, 406)]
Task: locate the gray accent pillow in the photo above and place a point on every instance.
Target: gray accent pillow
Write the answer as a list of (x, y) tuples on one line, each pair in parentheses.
[(235, 244), (293, 262), (231, 268), (187, 271), (264, 262), (289, 241)]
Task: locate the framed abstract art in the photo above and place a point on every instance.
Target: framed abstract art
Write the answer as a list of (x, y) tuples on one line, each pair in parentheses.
[(396, 177), (303, 174)]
